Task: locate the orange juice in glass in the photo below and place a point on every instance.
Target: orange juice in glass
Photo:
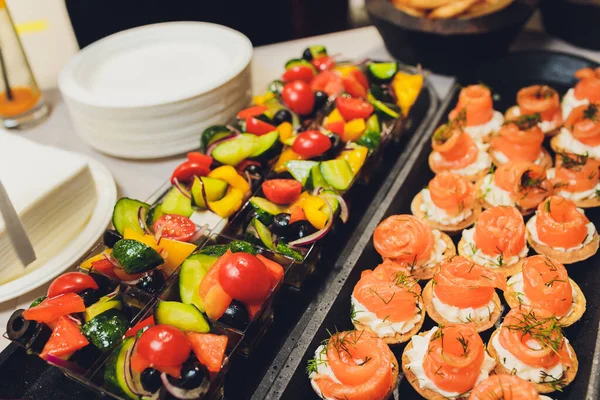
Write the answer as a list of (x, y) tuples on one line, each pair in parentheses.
[(21, 101)]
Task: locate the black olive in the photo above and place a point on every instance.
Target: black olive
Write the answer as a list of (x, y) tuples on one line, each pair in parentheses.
[(320, 99), (336, 146), (307, 55), (89, 296), (105, 284), (111, 237), (193, 375), (150, 379), (20, 329), (152, 282), (281, 116), (236, 316), (87, 356), (39, 339), (253, 169), (280, 224), (298, 230), (264, 118)]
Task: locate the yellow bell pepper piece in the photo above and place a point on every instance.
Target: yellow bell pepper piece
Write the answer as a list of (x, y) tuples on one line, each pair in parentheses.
[(334, 116), (354, 129), (286, 155), (173, 251), (407, 88), (259, 100), (355, 157), (286, 130), (345, 69), (228, 174), (299, 202), (313, 202), (316, 217), (87, 264), (229, 204)]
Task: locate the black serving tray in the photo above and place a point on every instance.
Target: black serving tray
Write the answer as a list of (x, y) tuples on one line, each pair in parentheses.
[(288, 379), (28, 377)]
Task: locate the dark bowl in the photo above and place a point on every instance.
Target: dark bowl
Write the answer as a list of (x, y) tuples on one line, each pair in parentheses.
[(449, 46), (574, 21)]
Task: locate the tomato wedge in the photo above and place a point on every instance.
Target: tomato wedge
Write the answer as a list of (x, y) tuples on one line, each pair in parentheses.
[(353, 86), (329, 82), (65, 340), (258, 127), (249, 112), (187, 170), (51, 309), (75, 282), (176, 227), (139, 326), (200, 158), (352, 108), (298, 73), (282, 191)]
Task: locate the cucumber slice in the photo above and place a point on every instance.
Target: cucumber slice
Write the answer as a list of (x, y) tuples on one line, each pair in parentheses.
[(380, 93), (315, 179), (264, 234), (265, 210), (125, 214), (154, 214), (182, 316), (267, 146), (136, 257), (212, 134), (286, 250), (237, 246), (215, 189), (383, 72), (384, 110), (372, 136), (331, 199), (294, 62), (176, 202), (104, 304), (106, 329), (234, 151), (193, 270), (337, 173), (300, 169), (276, 86), (114, 371), (373, 124)]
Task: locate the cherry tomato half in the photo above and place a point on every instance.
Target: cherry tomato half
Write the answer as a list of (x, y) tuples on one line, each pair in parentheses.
[(202, 159), (251, 112), (176, 227), (353, 87), (310, 144), (336, 127), (164, 345), (299, 97), (351, 108), (329, 82), (282, 191), (324, 63), (71, 282), (187, 170), (258, 127), (298, 73), (245, 278)]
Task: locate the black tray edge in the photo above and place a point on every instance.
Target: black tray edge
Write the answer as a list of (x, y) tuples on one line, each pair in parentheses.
[(286, 362)]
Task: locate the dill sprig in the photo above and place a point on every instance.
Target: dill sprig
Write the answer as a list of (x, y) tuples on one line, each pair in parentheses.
[(464, 343), (444, 132), (572, 161), (525, 122), (555, 383), (591, 112), (546, 331), (545, 92), (527, 182)]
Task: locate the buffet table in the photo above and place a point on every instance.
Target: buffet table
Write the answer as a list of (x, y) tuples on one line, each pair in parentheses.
[(139, 178)]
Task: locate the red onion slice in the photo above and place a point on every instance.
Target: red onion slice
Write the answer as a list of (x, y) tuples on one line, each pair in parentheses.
[(59, 362), (158, 234), (112, 260), (212, 146), (199, 232), (185, 394), (181, 188), (142, 219), (132, 378), (204, 196), (344, 212), (318, 234), (317, 190)]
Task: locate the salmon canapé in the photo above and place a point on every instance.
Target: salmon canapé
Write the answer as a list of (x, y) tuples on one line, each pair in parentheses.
[(363, 367), (387, 304), (581, 132), (576, 177), (586, 91), (463, 292), (516, 183), (520, 139), (542, 100), (448, 360), (481, 119), (405, 239), (530, 344), (505, 387)]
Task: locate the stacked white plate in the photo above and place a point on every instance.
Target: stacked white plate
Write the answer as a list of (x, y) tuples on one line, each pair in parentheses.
[(149, 92)]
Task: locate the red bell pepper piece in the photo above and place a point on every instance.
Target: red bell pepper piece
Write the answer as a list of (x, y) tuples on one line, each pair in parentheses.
[(199, 158), (212, 276), (275, 269), (187, 170), (125, 277), (253, 309), (139, 326), (209, 349), (139, 364), (251, 112), (104, 267), (258, 127), (297, 215), (336, 127), (65, 340), (51, 309)]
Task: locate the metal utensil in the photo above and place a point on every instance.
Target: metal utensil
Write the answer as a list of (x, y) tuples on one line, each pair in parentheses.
[(16, 232)]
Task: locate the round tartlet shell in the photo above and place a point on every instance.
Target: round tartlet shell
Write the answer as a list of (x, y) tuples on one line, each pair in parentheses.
[(566, 257), (398, 337), (579, 308), (437, 317), (540, 387), (507, 270), (472, 178), (486, 204), (427, 273), (415, 207)]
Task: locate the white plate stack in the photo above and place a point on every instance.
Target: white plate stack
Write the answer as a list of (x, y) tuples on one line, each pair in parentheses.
[(149, 92)]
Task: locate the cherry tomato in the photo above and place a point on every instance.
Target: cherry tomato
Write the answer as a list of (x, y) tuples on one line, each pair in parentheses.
[(298, 73), (251, 112), (187, 170), (245, 278), (71, 282), (329, 82), (197, 157), (164, 345), (299, 97), (282, 191), (176, 227), (351, 108), (258, 127), (336, 127), (310, 144), (324, 63)]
